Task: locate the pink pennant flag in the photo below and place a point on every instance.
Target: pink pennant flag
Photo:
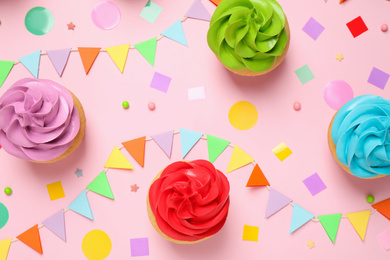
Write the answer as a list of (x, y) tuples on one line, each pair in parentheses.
[(198, 11), (165, 141), (59, 59), (276, 202), (56, 224)]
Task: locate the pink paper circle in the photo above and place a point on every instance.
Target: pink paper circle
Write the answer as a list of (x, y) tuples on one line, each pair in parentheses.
[(106, 15), (337, 93)]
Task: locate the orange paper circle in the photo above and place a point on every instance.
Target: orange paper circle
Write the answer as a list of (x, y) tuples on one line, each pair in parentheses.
[(243, 115)]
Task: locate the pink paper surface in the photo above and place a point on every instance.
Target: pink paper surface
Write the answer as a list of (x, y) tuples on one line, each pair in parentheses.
[(104, 89)]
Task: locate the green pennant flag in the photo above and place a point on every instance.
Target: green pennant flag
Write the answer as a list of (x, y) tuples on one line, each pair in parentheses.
[(101, 186), (5, 68), (331, 224), (215, 147), (148, 49)]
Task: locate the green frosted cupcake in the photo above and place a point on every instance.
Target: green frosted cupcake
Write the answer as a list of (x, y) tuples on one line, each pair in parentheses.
[(249, 37)]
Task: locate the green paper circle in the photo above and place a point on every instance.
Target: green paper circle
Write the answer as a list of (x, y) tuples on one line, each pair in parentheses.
[(3, 215), (39, 20)]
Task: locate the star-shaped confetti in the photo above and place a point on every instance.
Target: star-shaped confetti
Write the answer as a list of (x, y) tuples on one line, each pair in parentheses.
[(79, 173), (339, 57), (134, 187), (71, 26), (310, 244)]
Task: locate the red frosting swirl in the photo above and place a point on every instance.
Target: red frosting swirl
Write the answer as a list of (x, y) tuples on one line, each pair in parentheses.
[(190, 200)]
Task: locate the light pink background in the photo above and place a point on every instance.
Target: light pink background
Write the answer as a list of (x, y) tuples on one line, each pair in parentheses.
[(108, 124)]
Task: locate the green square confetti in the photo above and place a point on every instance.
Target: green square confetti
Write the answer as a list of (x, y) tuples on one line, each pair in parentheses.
[(151, 11), (304, 74)]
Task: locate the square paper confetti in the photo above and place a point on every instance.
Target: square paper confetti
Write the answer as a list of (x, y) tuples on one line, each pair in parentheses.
[(55, 190), (139, 246), (357, 26), (378, 78), (151, 11), (384, 239), (313, 28), (282, 151), (160, 82), (251, 233), (304, 74), (196, 93), (314, 184)]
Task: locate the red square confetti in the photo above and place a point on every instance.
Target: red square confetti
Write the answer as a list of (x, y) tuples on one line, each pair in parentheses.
[(357, 26)]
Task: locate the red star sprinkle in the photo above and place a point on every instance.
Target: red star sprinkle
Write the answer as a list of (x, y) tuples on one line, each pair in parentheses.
[(71, 26), (134, 187)]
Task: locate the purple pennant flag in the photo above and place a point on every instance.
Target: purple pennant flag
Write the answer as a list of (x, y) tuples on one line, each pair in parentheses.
[(165, 141), (276, 202), (198, 11), (56, 224), (59, 59)]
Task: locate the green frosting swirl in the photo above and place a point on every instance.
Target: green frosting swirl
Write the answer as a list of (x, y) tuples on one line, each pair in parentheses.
[(247, 33)]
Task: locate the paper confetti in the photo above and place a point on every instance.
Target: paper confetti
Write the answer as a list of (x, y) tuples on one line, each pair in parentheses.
[(134, 188), (239, 159), (339, 57), (276, 202), (378, 78), (175, 32), (55, 190), (139, 246), (243, 115), (165, 141), (310, 244), (88, 57), (198, 11), (314, 184), (151, 11), (313, 28), (196, 93), (250, 233), (357, 26), (96, 245), (101, 186), (359, 221), (31, 62), (160, 82), (81, 205), (188, 139), (79, 173), (282, 151), (300, 216), (304, 74), (330, 223), (383, 238), (56, 224), (32, 238), (4, 215), (71, 26)]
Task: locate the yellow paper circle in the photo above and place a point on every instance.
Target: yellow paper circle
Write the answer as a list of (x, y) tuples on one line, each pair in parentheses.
[(96, 245), (243, 115)]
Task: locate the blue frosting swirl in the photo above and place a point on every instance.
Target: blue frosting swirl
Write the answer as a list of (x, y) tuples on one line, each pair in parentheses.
[(361, 132)]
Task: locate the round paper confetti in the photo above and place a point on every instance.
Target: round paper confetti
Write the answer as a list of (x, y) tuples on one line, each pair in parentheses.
[(243, 115), (106, 15), (39, 20), (3, 215), (96, 245), (337, 93)]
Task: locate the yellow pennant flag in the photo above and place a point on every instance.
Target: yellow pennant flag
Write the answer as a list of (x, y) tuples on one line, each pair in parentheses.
[(239, 158), (359, 221), (4, 247), (119, 55), (118, 160)]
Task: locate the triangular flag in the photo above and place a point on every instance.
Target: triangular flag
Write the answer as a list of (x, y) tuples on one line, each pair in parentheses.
[(239, 158), (299, 217), (59, 59), (215, 147), (257, 178), (118, 160), (31, 62), (383, 207), (88, 57), (101, 186), (56, 224), (148, 49), (81, 205), (331, 224), (359, 221), (5, 68), (165, 141), (188, 139), (4, 248), (176, 33), (276, 202), (136, 148), (198, 11), (32, 238), (119, 55), (216, 2)]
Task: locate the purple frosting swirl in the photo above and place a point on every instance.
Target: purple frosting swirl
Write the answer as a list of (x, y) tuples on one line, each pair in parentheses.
[(38, 120)]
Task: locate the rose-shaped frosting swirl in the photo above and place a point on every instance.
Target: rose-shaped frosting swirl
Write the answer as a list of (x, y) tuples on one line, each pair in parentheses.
[(190, 200), (38, 120), (361, 132), (247, 33)]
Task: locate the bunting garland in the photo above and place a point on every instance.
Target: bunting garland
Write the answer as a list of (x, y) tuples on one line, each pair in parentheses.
[(239, 158)]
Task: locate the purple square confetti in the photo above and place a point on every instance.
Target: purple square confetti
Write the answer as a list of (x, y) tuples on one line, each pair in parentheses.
[(314, 184), (139, 246), (160, 82), (313, 28), (378, 78)]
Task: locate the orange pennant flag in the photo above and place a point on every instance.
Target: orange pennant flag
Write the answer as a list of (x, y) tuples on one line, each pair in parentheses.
[(136, 148), (383, 207), (257, 178), (216, 2), (342, 1), (32, 238), (88, 57)]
